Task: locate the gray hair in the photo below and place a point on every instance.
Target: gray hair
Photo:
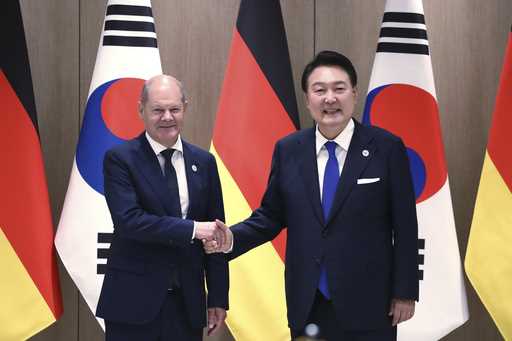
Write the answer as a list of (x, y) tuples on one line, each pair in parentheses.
[(147, 84)]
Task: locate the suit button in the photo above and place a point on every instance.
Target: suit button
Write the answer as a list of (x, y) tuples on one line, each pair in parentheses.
[(170, 242), (317, 260), (324, 234)]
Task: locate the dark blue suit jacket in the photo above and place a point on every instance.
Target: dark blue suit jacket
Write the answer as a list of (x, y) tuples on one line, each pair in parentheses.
[(368, 243), (149, 244)]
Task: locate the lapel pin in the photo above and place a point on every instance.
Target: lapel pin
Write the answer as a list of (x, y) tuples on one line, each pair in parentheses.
[(365, 152), (194, 168)]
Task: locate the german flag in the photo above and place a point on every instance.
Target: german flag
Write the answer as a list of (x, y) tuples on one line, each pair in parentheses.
[(29, 289), (257, 107), (489, 255)]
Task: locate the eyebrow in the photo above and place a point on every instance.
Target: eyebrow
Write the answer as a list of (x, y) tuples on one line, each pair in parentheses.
[(324, 83)]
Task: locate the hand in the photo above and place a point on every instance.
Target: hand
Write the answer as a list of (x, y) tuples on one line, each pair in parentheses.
[(216, 317), (209, 231), (401, 310), (214, 246)]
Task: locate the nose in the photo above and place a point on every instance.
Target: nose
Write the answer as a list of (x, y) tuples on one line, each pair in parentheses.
[(167, 116), (330, 97)]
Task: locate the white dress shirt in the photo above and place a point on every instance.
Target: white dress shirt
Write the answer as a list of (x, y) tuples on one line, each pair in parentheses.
[(322, 155), (178, 162)]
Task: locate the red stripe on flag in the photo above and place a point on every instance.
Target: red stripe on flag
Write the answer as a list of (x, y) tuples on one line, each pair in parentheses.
[(249, 122), (26, 218), (499, 135)]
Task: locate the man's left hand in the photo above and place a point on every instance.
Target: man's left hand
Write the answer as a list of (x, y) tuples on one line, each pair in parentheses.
[(216, 317), (401, 310)]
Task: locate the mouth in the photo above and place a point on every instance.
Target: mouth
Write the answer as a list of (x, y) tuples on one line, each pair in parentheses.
[(167, 127), (333, 111)]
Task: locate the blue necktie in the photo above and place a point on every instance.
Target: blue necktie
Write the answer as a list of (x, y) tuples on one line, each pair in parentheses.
[(331, 177)]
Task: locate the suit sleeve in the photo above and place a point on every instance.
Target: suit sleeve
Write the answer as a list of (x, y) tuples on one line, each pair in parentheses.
[(405, 226), (265, 222), (130, 219), (217, 271)]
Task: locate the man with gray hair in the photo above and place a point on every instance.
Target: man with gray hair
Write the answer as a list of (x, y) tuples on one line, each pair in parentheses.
[(163, 195)]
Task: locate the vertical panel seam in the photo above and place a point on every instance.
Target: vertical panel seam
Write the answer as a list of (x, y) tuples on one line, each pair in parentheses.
[(314, 27)]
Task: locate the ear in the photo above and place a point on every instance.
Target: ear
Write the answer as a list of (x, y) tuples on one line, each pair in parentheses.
[(356, 93), (185, 106), (140, 108)]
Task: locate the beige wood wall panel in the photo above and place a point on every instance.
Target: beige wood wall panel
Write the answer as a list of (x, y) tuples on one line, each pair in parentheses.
[(194, 38), (299, 21), (53, 54)]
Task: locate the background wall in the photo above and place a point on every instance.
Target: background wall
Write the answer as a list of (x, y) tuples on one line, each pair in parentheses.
[(467, 40)]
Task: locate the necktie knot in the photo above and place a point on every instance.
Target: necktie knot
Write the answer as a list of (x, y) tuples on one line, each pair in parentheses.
[(331, 148), (167, 153)]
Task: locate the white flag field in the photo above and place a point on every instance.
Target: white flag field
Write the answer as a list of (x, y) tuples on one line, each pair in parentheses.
[(127, 55), (402, 99)]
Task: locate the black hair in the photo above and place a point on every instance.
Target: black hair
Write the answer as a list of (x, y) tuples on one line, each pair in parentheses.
[(329, 58)]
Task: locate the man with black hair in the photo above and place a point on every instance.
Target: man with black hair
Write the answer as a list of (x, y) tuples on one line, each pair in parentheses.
[(345, 193)]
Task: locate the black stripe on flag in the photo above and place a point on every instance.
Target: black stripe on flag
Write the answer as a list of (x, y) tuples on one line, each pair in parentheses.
[(101, 269), (414, 18), (129, 10), (129, 41), (103, 253), (260, 24), (14, 58), (104, 237), (126, 25), (402, 32), (403, 48)]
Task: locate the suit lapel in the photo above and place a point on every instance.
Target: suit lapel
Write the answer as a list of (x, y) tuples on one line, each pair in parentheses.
[(193, 169), (360, 152), (309, 171), (151, 170)]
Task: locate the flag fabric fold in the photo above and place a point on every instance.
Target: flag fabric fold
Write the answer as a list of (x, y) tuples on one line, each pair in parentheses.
[(127, 56), (402, 99), (257, 107), (29, 289), (489, 255)]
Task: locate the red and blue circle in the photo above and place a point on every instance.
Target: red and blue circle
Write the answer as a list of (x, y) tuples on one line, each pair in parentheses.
[(412, 113), (111, 118)]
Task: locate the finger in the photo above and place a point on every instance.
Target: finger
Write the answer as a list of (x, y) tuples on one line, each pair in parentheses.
[(221, 239), (391, 308), (212, 319), (221, 225), (396, 316), (213, 330)]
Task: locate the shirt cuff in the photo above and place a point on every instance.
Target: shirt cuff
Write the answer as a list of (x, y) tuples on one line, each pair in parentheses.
[(193, 232)]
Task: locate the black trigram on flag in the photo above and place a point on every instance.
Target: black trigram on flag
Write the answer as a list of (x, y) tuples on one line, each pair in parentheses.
[(128, 25), (421, 257), (403, 32), (103, 251)]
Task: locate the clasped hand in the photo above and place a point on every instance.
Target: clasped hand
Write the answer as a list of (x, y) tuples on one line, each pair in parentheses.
[(215, 235)]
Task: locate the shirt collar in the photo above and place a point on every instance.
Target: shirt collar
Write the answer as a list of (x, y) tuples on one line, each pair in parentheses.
[(158, 147), (343, 139)]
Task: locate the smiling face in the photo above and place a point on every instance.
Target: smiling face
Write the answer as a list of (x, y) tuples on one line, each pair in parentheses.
[(331, 99), (163, 110)]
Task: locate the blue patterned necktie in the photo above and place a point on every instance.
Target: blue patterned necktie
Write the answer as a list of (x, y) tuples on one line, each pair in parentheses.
[(331, 178)]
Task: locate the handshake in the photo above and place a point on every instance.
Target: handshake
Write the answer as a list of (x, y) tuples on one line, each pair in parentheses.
[(215, 235)]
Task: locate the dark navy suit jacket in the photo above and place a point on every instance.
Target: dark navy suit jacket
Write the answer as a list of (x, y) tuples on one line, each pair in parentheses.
[(369, 241), (150, 245)]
